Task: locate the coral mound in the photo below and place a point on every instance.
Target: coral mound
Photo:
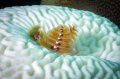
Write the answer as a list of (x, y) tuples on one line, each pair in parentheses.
[(96, 49)]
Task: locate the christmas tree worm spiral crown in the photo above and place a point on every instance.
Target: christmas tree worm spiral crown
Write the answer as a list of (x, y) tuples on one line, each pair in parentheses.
[(59, 39)]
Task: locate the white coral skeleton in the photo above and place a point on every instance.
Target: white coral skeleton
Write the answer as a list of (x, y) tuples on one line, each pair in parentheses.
[(95, 55)]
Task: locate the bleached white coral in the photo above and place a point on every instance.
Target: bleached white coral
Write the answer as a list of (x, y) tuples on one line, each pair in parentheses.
[(96, 53)]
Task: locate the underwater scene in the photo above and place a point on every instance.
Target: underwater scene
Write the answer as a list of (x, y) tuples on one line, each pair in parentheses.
[(59, 39)]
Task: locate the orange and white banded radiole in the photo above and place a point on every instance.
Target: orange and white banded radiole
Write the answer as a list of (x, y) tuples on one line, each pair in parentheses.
[(59, 39)]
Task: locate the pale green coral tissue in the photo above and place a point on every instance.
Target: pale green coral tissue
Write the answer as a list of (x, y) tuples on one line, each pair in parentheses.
[(96, 49)]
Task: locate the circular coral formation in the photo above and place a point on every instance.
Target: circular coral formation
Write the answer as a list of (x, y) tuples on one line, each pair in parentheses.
[(96, 49)]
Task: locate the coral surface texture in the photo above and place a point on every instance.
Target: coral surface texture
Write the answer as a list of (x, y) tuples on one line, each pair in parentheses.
[(95, 51)]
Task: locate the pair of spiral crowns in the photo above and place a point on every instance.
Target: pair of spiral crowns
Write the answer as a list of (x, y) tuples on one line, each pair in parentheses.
[(59, 39)]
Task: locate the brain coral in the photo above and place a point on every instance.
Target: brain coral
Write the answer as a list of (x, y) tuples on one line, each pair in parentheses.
[(95, 54)]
